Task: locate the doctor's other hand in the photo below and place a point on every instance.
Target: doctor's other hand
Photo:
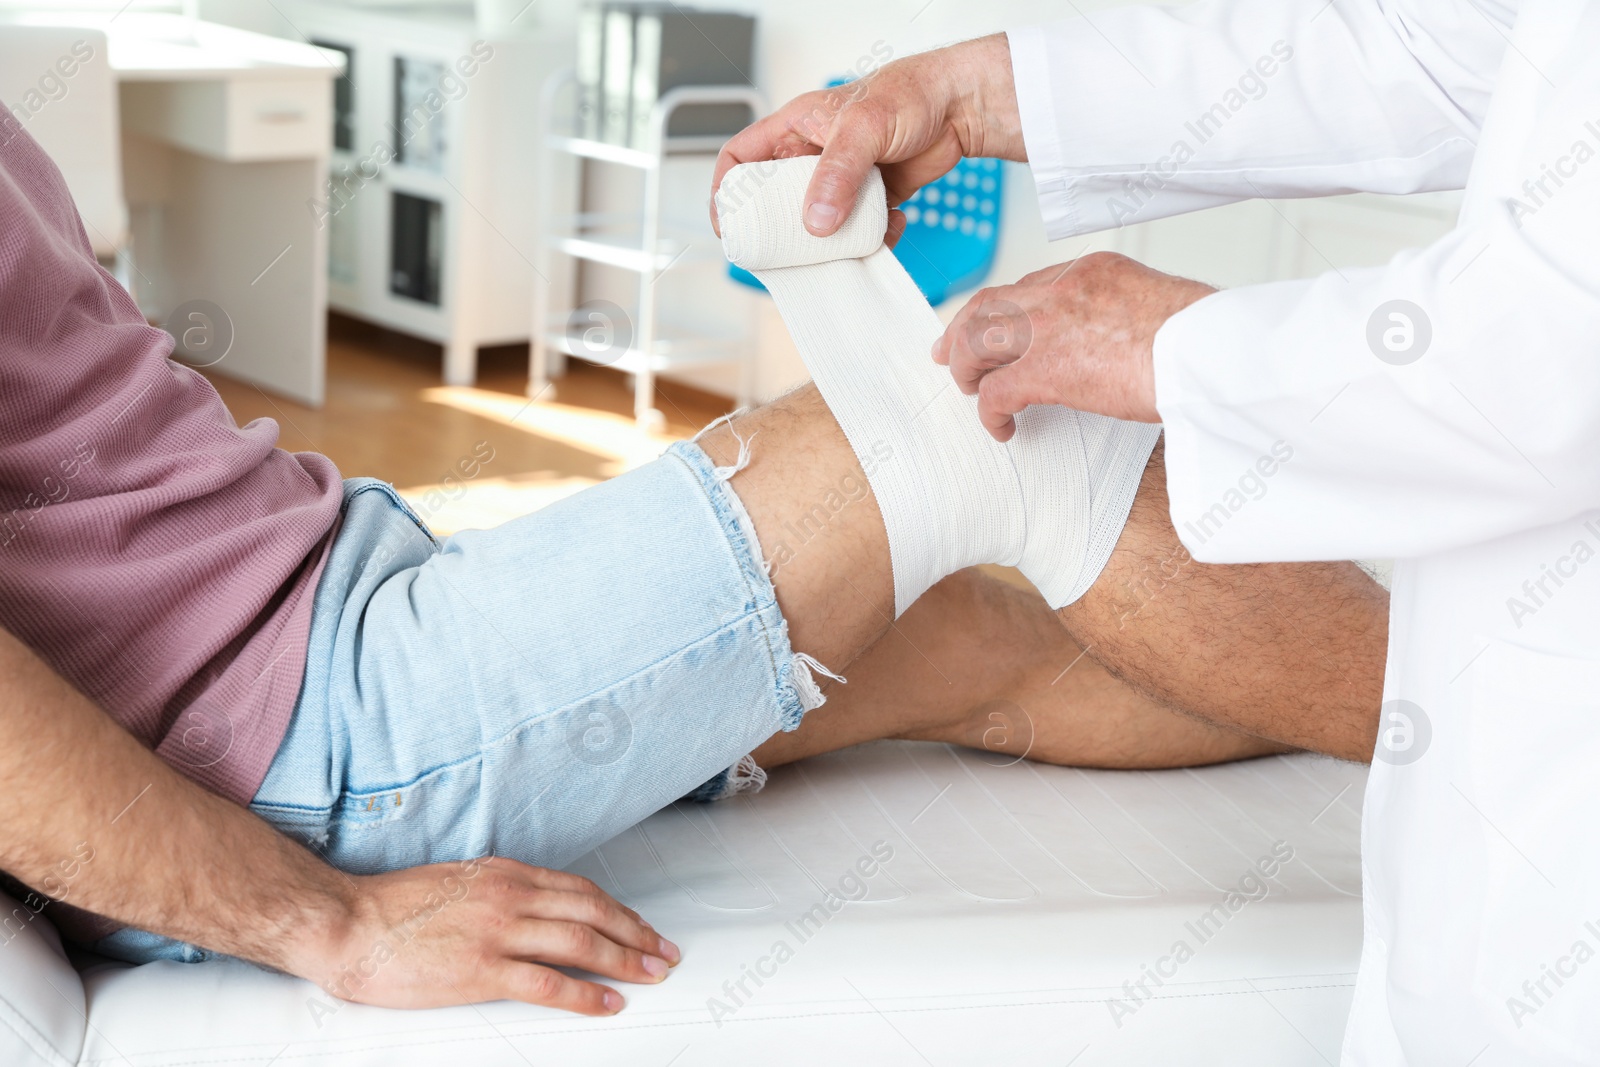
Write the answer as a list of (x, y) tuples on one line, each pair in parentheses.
[(914, 118), (1079, 334)]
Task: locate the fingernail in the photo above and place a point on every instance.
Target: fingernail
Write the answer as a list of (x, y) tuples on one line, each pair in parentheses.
[(670, 951), (821, 216), (613, 1001), (655, 966)]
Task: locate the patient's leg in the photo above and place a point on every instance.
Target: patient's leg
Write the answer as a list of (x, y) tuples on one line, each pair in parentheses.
[(983, 663), (1289, 653), (817, 521)]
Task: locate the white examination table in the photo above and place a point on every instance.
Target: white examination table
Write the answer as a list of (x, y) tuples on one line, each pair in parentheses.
[(1018, 901)]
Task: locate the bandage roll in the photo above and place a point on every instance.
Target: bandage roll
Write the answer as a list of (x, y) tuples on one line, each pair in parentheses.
[(758, 203), (1051, 502)]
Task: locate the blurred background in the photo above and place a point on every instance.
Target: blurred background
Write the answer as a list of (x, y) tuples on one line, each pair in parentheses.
[(465, 247)]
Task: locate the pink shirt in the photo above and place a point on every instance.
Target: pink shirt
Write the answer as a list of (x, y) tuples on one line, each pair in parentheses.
[(157, 555)]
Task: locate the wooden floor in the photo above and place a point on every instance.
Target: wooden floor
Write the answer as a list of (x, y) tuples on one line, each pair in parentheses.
[(389, 416)]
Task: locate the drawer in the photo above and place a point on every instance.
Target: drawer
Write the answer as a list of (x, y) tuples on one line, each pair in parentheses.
[(236, 120)]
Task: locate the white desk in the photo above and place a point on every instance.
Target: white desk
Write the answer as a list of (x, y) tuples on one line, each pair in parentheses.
[(226, 136)]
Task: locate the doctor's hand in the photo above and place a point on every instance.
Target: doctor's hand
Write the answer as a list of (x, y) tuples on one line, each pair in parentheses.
[(1080, 334), (915, 118)]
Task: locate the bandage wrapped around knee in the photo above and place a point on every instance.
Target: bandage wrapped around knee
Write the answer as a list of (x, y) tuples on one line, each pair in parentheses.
[(1052, 501)]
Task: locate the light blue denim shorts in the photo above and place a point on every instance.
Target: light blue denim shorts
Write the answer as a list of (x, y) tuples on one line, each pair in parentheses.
[(528, 691)]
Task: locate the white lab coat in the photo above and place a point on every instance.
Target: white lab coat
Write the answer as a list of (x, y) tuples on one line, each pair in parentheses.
[(1477, 462)]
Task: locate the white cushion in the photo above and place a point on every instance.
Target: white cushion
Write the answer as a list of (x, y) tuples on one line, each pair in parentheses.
[(41, 997), (1018, 901)]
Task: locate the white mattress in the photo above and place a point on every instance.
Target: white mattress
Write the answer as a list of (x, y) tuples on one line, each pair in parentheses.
[(1018, 901)]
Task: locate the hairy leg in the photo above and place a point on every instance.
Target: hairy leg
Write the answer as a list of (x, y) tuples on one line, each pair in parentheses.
[(817, 522), (1292, 652), (975, 661), (1182, 658), (979, 662)]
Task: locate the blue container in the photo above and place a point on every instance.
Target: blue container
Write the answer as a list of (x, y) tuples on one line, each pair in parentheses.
[(953, 229)]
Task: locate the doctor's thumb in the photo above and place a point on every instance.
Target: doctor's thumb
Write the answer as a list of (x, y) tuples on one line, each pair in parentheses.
[(846, 161)]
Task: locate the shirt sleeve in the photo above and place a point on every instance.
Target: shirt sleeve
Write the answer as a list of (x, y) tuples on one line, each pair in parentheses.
[(1446, 399), (1137, 113)]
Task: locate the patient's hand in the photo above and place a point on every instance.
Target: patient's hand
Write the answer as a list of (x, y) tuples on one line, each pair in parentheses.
[(187, 863), (491, 929), (1079, 334)]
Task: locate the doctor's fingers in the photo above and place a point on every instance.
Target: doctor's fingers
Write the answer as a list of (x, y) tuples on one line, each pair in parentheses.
[(872, 129), (850, 139), (995, 329), (1004, 393), (942, 346), (780, 135), (897, 227)]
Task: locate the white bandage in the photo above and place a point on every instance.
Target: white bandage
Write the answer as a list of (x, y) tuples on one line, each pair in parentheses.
[(1051, 502)]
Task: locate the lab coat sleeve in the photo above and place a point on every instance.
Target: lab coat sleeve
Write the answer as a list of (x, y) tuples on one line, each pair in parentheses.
[(1446, 399), (1137, 113)]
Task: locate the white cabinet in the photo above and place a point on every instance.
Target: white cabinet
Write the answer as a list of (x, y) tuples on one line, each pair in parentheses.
[(430, 206)]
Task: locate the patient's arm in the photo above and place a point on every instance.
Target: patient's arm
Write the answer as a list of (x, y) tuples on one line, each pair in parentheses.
[(93, 818)]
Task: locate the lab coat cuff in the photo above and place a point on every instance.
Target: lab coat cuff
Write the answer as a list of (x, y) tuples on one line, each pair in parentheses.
[(1041, 130), (1201, 467)]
